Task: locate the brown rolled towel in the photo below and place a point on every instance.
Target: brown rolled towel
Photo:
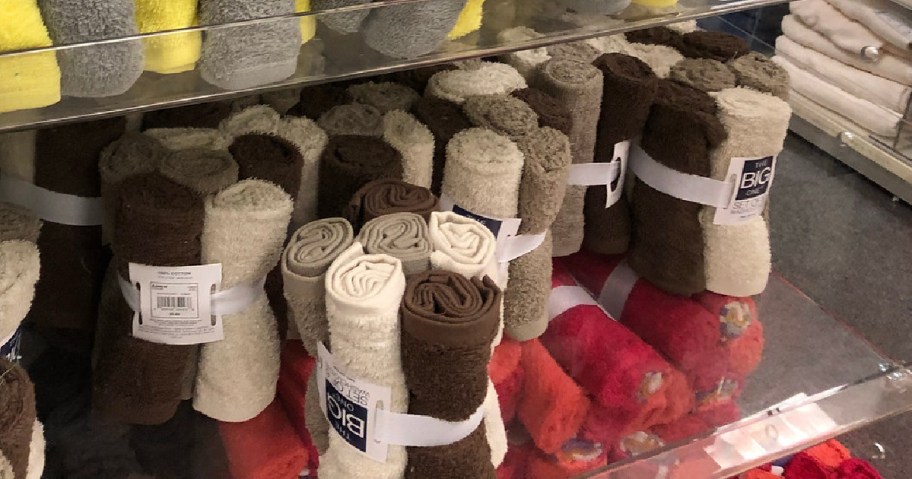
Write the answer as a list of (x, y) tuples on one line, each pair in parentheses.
[(757, 71), (444, 119), (541, 193), (18, 224), (354, 119), (579, 86), (703, 74), (17, 419), (551, 113), (503, 114), (203, 115), (715, 45), (317, 100), (387, 196), (656, 36), (630, 88), (347, 164), (401, 235), (448, 323), (667, 243), (158, 222)]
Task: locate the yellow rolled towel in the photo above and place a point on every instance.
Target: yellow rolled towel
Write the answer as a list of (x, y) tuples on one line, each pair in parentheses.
[(29, 80), (172, 52), (469, 19), (308, 23)]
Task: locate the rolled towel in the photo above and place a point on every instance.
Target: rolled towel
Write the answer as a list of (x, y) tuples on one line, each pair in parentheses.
[(503, 114), (704, 74), (488, 79), (354, 119), (385, 197), (253, 119), (526, 62), (18, 276), (310, 140), (824, 18), (507, 374), (462, 245), (550, 111), (714, 45), (173, 52), (283, 100), (131, 154), (661, 35), (469, 20), (317, 100), (270, 158), (659, 57), (158, 222), (448, 323), (295, 374), (755, 70), (384, 96), (579, 51), (18, 420), (363, 294), (444, 119), (579, 87), (247, 56), (205, 171), (175, 139), (106, 69), (343, 22), (31, 80), (264, 447), (18, 224), (203, 115), (400, 235), (415, 143), (417, 78), (428, 26), (629, 90), (348, 163)]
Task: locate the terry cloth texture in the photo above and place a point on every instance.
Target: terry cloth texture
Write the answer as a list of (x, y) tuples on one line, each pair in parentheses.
[(667, 244), (175, 52), (175, 139), (384, 197), (17, 223), (346, 22), (411, 30), (282, 101), (415, 143), (656, 36), (17, 283), (629, 90), (508, 375), (703, 74), (18, 419), (469, 21), (738, 256), (363, 294), (526, 62), (295, 372), (503, 114), (444, 119), (400, 235), (579, 87), (384, 96), (551, 113), (487, 79), (203, 115), (245, 231), (264, 447), (317, 100), (448, 323), (205, 171), (755, 70), (541, 193), (246, 56), (659, 57), (462, 245), (579, 51), (31, 80), (158, 222), (354, 119), (823, 18), (348, 163), (714, 45), (253, 119), (886, 19), (417, 79)]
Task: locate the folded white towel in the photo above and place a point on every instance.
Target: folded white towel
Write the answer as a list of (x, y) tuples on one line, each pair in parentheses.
[(826, 20), (888, 20)]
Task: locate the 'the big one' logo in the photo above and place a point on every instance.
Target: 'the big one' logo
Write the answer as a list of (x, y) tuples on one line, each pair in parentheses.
[(348, 418), (755, 178)]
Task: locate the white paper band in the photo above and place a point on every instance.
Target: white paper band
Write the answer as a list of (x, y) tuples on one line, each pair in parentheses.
[(617, 289), (423, 431), (604, 173), (225, 302), (692, 188), (50, 206), (564, 298), (510, 244)]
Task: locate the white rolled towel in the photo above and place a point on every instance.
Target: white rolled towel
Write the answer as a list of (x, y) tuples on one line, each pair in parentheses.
[(19, 270), (414, 142), (462, 245), (253, 119), (524, 61)]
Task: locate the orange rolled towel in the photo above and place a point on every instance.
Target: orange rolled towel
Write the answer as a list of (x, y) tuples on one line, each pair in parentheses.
[(265, 447), (507, 374)]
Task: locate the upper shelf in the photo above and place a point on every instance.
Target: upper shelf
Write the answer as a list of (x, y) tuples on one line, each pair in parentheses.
[(267, 48)]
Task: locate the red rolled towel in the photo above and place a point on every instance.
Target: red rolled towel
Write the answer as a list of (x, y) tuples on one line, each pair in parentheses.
[(294, 373), (575, 457), (831, 453), (507, 374), (759, 474), (805, 466), (857, 469), (516, 462), (265, 447)]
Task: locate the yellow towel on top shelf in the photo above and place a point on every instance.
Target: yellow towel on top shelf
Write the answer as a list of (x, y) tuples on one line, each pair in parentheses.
[(658, 4), (469, 19), (308, 23), (174, 52), (29, 80)]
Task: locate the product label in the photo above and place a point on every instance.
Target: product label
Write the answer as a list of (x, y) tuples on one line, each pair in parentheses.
[(351, 406), (175, 304), (752, 178), (9, 347)]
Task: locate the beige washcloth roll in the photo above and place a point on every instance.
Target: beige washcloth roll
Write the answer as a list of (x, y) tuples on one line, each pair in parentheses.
[(462, 245), (384, 96), (354, 119), (363, 293), (485, 78), (17, 223), (244, 230), (415, 142), (204, 171), (19, 269), (184, 138), (400, 235), (253, 119)]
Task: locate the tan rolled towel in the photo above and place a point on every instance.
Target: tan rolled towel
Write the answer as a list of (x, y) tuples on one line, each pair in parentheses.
[(384, 96), (487, 79), (526, 62), (414, 141), (253, 119), (184, 138), (444, 119), (503, 114), (18, 423), (18, 224), (400, 235), (205, 171), (354, 119)]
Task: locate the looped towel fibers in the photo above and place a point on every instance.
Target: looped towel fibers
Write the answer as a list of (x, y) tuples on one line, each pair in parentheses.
[(551, 113), (253, 119), (131, 154), (400, 235), (462, 245), (503, 114), (184, 138), (656, 36), (18, 421), (526, 62), (757, 71), (31, 80), (349, 162), (270, 158), (384, 197), (384, 96), (411, 30), (354, 119), (317, 100), (444, 119), (703, 74), (205, 171), (487, 79), (714, 45), (18, 275), (173, 52), (18, 224), (415, 143)]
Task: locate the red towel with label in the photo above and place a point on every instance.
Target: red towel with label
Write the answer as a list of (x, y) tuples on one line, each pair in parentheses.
[(507, 374), (295, 370), (265, 447)]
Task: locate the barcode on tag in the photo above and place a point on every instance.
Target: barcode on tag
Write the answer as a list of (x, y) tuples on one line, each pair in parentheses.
[(174, 303)]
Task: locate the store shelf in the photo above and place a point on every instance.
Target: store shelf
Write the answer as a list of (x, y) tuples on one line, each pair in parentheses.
[(331, 57)]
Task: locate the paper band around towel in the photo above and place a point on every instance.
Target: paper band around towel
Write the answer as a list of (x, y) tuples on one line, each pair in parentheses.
[(51, 206), (510, 244), (225, 302), (565, 297), (609, 174), (684, 186), (617, 289)]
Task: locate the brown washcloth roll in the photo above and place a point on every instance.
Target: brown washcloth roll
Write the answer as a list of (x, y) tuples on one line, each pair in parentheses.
[(755, 70), (387, 196), (400, 235), (579, 86), (656, 36), (205, 171), (317, 100), (384, 96), (349, 162), (579, 51), (354, 119), (18, 224), (551, 113), (448, 323), (158, 222), (203, 115), (630, 88), (17, 418), (715, 45), (444, 119), (504, 114), (703, 74), (667, 243)]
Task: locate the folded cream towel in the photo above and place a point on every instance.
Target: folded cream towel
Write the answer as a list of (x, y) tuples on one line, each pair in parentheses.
[(886, 19), (19, 269), (504, 114), (400, 235), (184, 138), (845, 33), (18, 224), (756, 70), (462, 245), (487, 79), (363, 294), (411, 30), (244, 230), (355, 119), (384, 96), (415, 142)]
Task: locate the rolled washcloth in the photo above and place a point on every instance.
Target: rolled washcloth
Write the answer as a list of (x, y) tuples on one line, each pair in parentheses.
[(384, 197), (354, 119), (363, 294), (384, 96), (579, 87), (757, 71), (551, 113), (343, 22), (253, 119), (158, 222), (444, 119), (348, 163), (488, 79), (448, 324), (845, 33), (579, 51), (503, 114), (171, 52), (659, 57), (714, 45), (667, 244), (205, 171), (246, 56), (629, 90), (31, 80), (103, 70), (17, 223), (203, 115), (462, 245), (526, 62), (400, 235), (18, 276), (428, 26), (415, 143), (703, 74), (508, 375), (21, 435), (270, 158), (541, 193), (265, 447)]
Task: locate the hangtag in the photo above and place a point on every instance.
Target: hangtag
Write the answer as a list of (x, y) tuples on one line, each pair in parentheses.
[(609, 174), (616, 187), (752, 177), (351, 406), (175, 304), (9, 347)]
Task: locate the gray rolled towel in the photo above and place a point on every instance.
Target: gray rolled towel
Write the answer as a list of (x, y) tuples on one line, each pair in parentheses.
[(504, 114), (354, 119), (703, 74), (413, 29), (758, 72), (103, 70), (246, 56), (384, 96), (483, 78), (400, 235), (343, 22)]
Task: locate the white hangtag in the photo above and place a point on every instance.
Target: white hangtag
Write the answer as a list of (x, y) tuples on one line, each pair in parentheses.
[(563, 298), (617, 288), (9, 347), (684, 186), (510, 244), (175, 304), (51, 206), (753, 177), (604, 173)]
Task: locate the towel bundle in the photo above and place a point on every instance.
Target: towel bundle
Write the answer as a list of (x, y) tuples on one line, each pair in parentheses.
[(349, 162), (410, 31), (444, 119), (757, 71), (487, 79), (885, 19), (264, 447), (845, 33), (31, 80), (103, 70), (363, 295), (247, 56), (17, 223), (579, 87), (21, 435), (172, 52), (629, 90), (462, 245), (352, 119), (508, 375), (17, 287), (401, 235)]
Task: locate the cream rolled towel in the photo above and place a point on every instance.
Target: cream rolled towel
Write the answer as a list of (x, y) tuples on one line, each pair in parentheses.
[(204, 171), (354, 119), (484, 79), (504, 114), (244, 230), (384, 96), (579, 86), (131, 154), (886, 19), (36, 452), (415, 142), (401, 235), (462, 245), (19, 269), (526, 62), (184, 138), (17, 223), (363, 293), (253, 119), (845, 33)]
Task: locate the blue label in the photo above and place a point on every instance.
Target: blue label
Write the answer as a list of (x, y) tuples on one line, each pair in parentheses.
[(490, 223), (348, 418), (10, 350), (755, 178)]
